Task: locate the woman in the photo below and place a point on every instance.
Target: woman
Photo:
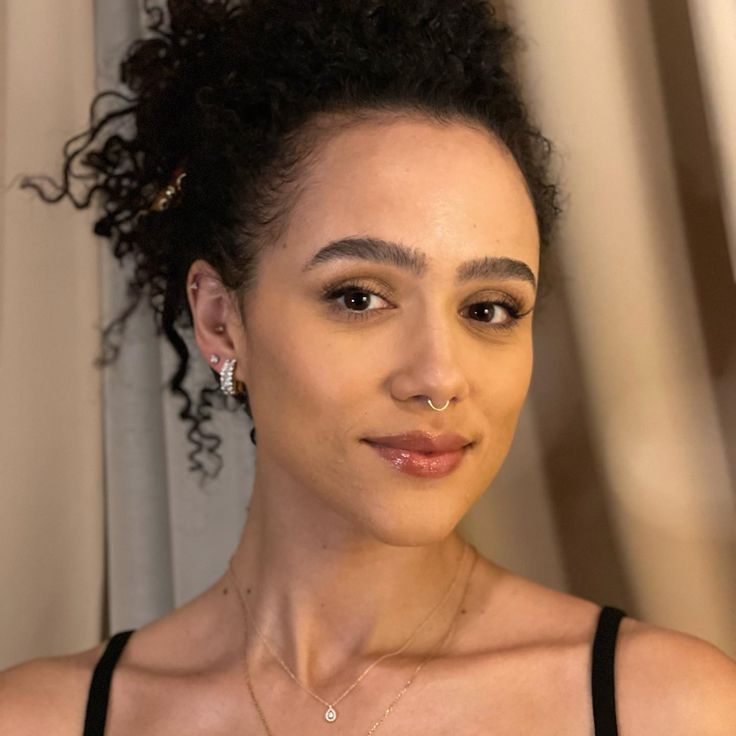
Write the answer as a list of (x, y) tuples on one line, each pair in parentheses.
[(348, 203)]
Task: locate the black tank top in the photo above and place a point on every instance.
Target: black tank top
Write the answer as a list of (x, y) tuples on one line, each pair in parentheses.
[(601, 677)]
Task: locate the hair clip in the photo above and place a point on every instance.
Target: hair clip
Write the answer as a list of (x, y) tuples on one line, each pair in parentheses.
[(166, 197)]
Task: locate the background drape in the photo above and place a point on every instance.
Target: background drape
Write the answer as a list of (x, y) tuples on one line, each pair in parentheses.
[(52, 575), (620, 484), (713, 25), (650, 300)]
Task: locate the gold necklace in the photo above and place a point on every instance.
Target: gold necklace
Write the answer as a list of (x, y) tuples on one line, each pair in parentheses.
[(330, 714), (396, 699)]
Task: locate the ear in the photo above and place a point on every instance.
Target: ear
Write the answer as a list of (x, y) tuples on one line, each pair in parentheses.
[(215, 316)]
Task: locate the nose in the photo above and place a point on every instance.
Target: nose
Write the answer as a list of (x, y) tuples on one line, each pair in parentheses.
[(431, 365)]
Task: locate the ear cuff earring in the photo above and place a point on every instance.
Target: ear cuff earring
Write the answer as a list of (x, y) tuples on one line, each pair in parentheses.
[(230, 386)]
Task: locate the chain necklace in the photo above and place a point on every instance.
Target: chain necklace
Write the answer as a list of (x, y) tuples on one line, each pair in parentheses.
[(396, 699), (330, 714)]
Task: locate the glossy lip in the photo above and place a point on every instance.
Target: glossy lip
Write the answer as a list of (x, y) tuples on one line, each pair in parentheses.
[(421, 453), (419, 441)]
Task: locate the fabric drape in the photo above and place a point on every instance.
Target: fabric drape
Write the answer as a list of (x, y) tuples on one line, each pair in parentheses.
[(52, 561), (649, 297), (713, 25)]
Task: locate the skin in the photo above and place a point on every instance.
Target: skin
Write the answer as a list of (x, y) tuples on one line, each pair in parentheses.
[(342, 556)]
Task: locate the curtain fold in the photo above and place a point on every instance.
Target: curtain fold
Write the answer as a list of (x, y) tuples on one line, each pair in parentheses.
[(51, 526), (714, 30), (634, 305)]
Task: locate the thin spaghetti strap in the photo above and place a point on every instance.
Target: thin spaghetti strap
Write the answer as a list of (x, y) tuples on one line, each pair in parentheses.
[(99, 690), (602, 671)]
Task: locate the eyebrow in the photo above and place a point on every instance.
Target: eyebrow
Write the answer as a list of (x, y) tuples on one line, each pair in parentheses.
[(415, 261)]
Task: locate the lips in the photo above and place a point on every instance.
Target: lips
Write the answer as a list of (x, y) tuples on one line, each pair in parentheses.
[(422, 442), (421, 453)]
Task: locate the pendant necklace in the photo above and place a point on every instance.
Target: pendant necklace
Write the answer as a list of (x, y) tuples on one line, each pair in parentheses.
[(330, 714), (433, 653)]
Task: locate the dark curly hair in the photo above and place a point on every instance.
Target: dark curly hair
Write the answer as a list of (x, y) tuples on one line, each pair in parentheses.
[(231, 91)]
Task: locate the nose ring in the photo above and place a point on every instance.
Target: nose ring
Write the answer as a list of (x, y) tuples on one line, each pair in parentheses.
[(447, 403)]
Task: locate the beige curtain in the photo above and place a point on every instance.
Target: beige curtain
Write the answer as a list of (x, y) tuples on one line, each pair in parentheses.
[(636, 432), (620, 483), (714, 30), (51, 525)]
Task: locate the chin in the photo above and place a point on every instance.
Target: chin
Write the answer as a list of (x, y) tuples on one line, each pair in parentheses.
[(409, 526)]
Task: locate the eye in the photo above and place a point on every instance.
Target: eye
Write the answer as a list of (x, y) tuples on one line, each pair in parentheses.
[(357, 300), (500, 315), (353, 301)]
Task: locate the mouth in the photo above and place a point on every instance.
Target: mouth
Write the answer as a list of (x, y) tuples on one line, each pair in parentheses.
[(422, 442), (432, 463)]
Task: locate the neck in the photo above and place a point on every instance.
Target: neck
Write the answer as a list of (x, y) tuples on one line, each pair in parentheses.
[(324, 601)]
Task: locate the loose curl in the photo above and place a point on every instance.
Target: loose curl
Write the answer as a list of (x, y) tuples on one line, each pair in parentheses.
[(233, 91)]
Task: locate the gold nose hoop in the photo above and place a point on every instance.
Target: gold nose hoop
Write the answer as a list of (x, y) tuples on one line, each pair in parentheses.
[(447, 403)]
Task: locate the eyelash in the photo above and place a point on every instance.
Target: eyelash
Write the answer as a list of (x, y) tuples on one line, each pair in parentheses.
[(332, 294)]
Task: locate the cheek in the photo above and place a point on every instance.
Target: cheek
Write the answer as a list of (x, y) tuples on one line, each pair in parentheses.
[(507, 386), (300, 382)]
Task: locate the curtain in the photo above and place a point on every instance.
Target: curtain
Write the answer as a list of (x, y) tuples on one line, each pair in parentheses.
[(715, 43), (619, 486), (650, 303), (51, 478)]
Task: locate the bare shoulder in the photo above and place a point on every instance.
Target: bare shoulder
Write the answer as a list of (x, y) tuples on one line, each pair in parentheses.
[(670, 682), (666, 681), (47, 694)]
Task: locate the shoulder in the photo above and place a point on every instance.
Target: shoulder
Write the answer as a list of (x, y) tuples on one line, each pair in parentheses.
[(47, 695), (672, 683), (666, 681)]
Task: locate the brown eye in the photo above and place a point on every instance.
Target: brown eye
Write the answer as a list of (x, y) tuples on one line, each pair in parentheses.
[(353, 301), (353, 298), (493, 312), (501, 314), (356, 299)]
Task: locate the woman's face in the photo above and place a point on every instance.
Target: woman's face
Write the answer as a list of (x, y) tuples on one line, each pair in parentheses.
[(326, 370)]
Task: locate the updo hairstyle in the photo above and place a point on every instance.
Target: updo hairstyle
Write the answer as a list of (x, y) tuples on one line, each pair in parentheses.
[(233, 93)]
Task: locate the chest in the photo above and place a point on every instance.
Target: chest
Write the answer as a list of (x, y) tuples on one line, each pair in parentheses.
[(529, 692)]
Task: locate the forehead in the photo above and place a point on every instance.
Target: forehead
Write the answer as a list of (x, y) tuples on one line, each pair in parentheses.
[(428, 184)]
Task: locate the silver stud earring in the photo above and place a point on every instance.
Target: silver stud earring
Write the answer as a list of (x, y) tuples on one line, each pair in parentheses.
[(220, 328), (214, 359)]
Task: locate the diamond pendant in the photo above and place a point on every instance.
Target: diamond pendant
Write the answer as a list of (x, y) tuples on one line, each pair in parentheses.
[(330, 715)]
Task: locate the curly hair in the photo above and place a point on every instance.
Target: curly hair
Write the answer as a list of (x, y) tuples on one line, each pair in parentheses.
[(232, 91)]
